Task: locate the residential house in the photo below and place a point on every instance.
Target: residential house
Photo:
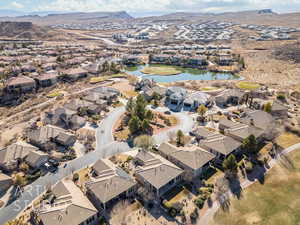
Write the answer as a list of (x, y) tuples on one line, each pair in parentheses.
[(5, 182), (49, 66), (220, 145), (240, 131), (175, 97), (47, 79), (159, 59), (12, 155), (155, 173), (36, 159), (77, 105), (28, 69), (225, 60), (195, 99), (47, 136), (197, 61), (230, 96), (65, 118), (69, 206), (20, 84), (132, 60), (106, 93), (194, 161), (74, 74), (279, 110), (108, 184), (257, 118)]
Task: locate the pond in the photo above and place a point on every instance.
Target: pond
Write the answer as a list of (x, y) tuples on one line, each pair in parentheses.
[(187, 74)]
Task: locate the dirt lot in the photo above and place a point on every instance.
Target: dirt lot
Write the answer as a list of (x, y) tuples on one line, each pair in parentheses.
[(263, 67)]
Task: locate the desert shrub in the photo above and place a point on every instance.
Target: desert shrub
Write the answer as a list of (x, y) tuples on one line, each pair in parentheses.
[(172, 212), (199, 202), (281, 97), (249, 166), (75, 177), (194, 216), (177, 206)]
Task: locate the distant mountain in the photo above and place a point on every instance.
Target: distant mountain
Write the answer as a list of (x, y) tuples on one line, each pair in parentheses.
[(10, 13), (265, 11), (52, 18), (24, 30)]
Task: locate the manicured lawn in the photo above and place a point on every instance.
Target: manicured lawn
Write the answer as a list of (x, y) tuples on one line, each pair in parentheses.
[(247, 85), (276, 202), (95, 80), (287, 139), (161, 70), (54, 94), (208, 89)]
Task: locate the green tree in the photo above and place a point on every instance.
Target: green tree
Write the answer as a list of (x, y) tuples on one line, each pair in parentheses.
[(145, 142), (140, 116), (250, 145), (180, 138), (201, 111), (20, 181), (130, 106), (134, 124), (140, 108), (149, 115), (268, 107), (230, 164)]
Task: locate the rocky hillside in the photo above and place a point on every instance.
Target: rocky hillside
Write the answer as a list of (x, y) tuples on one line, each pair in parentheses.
[(25, 30), (67, 18)]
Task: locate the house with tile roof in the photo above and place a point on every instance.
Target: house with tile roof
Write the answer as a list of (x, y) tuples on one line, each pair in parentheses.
[(156, 174), (69, 206), (12, 155), (194, 161), (108, 183)]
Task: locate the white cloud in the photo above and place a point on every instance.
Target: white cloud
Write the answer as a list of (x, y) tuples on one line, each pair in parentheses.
[(17, 5), (166, 5)]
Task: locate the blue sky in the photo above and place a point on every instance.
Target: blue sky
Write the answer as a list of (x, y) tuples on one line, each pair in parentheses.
[(150, 5)]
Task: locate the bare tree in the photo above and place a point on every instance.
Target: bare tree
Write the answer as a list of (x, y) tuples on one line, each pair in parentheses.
[(120, 213), (222, 193)]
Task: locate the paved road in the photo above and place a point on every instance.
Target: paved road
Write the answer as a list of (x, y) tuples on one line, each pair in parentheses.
[(106, 147), (186, 123), (208, 216)]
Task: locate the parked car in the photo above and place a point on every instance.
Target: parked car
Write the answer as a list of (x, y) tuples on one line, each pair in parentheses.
[(54, 162), (50, 167), (167, 112)]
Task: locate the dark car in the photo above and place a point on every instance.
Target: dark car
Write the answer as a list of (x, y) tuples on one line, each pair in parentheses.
[(167, 112), (54, 162), (53, 169)]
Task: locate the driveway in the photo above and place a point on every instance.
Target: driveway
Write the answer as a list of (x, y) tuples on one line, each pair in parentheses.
[(186, 124), (106, 147)]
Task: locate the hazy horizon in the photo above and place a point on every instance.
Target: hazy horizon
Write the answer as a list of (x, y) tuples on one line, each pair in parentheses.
[(148, 7)]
